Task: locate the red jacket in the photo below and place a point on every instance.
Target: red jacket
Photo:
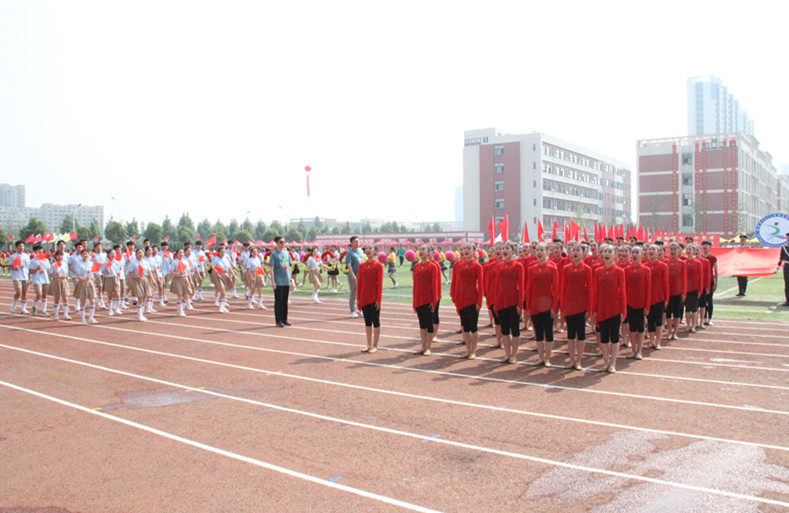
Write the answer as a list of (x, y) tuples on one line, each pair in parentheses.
[(576, 288), (437, 282), (659, 282), (370, 283), (677, 277), (467, 284), (542, 288), (694, 272), (489, 276), (638, 280), (509, 285), (610, 293), (425, 275), (706, 274)]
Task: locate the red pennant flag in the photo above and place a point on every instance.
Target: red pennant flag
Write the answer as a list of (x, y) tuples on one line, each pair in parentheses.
[(29, 239), (132, 237), (42, 256), (259, 271), (555, 229), (596, 231), (525, 234), (201, 258), (119, 256), (586, 237), (96, 267), (181, 266), (109, 265), (96, 237), (10, 237), (140, 270), (197, 236), (17, 262), (219, 270), (575, 230), (565, 232), (210, 242), (166, 237), (540, 231), (610, 232), (620, 231), (504, 228), (73, 236), (492, 229), (37, 238)]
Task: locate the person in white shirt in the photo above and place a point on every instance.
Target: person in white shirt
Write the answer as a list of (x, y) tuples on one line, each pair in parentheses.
[(59, 287), (110, 272), (199, 276), (39, 278), (314, 266), (221, 269), (180, 283), (153, 278), (85, 290), (254, 268), (138, 277), (99, 257), (72, 260), (158, 261), (19, 263)]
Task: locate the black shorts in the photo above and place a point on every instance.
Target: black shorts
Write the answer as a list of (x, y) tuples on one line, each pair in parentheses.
[(392, 268), (543, 326), (576, 326), (692, 301), (295, 271), (674, 307), (492, 310), (435, 312), (609, 330), (372, 315), (469, 318), (655, 316), (334, 272), (635, 319), (425, 317), (510, 321), (703, 299)]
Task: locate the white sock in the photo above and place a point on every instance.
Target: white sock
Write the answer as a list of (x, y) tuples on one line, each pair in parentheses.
[(13, 304), (82, 313), (92, 312), (44, 306)]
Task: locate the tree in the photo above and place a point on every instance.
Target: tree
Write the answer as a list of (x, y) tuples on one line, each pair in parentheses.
[(232, 227), (278, 227), (68, 224), (346, 227), (186, 228), (269, 235), (260, 230), (169, 229), (83, 233), (4, 238), (34, 226), (436, 227), (220, 231), (248, 226), (293, 234), (312, 234), (115, 232), (302, 228), (133, 228), (655, 214), (242, 236), (154, 233), (366, 226), (95, 229), (335, 230)]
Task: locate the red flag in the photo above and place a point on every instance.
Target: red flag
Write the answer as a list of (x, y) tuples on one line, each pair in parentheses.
[(525, 234), (132, 237), (565, 232), (181, 266), (492, 229), (109, 265), (540, 231), (620, 231), (596, 231), (118, 256), (96, 237), (29, 239), (17, 262), (586, 237), (140, 270), (197, 236), (610, 233), (37, 238), (166, 237), (575, 230), (555, 229), (504, 228), (48, 237), (210, 242), (73, 236), (219, 270), (259, 271), (10, 237), (96, 267)]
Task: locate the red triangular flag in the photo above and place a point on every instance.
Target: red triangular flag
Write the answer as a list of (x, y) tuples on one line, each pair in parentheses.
[(17, 262), (492, 229), (140, 270), (575, 230), (610, 233), (74, 236), (504, 228), (119, 256), (197, 236), (181, 266), (565, 232), (540, 231), (166, 237), (29, 239), (586, 237), (96, 267), (620, 231), (108, 264), (210, 242), (219, 270), (555, 229), (525, 234), (259, 271), (37, 238), (132, 237)]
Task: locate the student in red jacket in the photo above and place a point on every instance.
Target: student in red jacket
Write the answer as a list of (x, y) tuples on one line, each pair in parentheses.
[(695, 274), (610, 305), (526, 259), (425, 296), (638, 280), (706, 283), (542, 301), (677, 288), (370, 288), (466, 292), (509, 299), (658, 295), (489, 271), (576, 299)]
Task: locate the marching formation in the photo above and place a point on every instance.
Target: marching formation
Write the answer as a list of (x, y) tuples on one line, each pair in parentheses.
[(632, 294)]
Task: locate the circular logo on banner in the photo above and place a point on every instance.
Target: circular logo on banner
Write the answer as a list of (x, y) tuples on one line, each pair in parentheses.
[(771, 230)]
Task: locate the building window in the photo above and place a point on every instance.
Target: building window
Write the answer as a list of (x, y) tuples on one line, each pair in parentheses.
[(498, 186), (535, 202), (687, 159), (498, 203), (534, 165), (687, 200), (499, 168), (546, 203), (687, 178), (498, 150), (687, 220)]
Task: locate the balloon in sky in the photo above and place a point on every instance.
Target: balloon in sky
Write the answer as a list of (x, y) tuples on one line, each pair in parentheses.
[(308, 169)]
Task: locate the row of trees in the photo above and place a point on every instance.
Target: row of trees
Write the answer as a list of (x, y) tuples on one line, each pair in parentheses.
[(185, 230)]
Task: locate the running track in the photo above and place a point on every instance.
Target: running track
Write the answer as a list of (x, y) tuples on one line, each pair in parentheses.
[(224, 412)]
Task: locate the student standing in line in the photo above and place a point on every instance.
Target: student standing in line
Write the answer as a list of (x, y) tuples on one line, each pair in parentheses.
[(221, 266), (353, 258), (466, 292), (109, 271), (695, 276), (180, 281), (509, 299), (314, 266), (609, 306), (370, 282), (20, 277), (678, 286), (542, 302), (576, 298), (59, 287), (489, 271), (85, 290), (638, 281), (425, 297), (137, 276), (659, 295), (257, 279), (279, 263)]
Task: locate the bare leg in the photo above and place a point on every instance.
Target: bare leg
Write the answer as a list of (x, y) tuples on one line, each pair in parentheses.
[(506, 342), (368, 330), (614, 352), (376, 338)]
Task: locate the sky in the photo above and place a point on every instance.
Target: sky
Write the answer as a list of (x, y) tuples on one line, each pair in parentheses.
[(215, 108)]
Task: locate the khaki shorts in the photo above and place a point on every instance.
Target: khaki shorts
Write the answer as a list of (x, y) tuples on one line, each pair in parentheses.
[(20, 287), (41, 289), (59, 288)]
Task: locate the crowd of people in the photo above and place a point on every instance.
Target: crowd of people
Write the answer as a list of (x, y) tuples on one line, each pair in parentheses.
[(633, 294)]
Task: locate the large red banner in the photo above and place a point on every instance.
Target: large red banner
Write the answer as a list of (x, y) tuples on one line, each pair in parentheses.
[(746, 261)]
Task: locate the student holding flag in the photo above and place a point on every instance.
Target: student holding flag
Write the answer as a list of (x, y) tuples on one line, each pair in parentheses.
[(221, 268), (137, 273), (85, 290), (180, 281), (59, 287), (20, 277), (257, 276), (99, 257), (39, 278), (110, 273)]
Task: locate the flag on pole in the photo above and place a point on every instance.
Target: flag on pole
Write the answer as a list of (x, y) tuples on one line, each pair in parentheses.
[(504, 228), (525, 234), (37, 238), (555, 229), (492, 229), (29, 239), (210, 242), (96, 267), (540, 231), (74, 236), (586, 237), (575, 230)]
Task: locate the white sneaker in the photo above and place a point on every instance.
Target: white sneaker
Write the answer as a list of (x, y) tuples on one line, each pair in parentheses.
[(112, 313), (118, 312), (250, 307), (24, 311), (93, 321), (189, 307), (181, 314), (354, 315), (261, 306), (66, 317), (142, 319), (152, 311), (316, 300)]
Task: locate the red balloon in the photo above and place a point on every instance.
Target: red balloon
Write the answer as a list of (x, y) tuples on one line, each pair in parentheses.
[(307, 169)]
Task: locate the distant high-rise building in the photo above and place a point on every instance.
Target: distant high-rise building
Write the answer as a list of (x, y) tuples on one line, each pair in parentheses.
[(712, 110), (12, 196), (722, 183), (535, 176)]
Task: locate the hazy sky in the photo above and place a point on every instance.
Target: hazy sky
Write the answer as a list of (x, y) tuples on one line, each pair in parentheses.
[(215, 108)]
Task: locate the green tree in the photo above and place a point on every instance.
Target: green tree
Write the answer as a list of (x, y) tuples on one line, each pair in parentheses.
[(269, 235), (260, 230), (95, 229), (83, 232), (248, 226), (335, 230), (34, 226), (302, 228), (366, 227), (436, 227), (115, 232), (278, 227), (242, 236), (169, 229), (347, 228), (154, 233), (68, 224), (186, 228), (293, 234), (133, 228), (4, 240), (233, 227), (311, 234), (220, 231)]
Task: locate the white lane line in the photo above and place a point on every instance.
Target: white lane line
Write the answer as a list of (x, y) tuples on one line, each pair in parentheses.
[(222, 452), (382, 391), (426, 371), (432, 438)]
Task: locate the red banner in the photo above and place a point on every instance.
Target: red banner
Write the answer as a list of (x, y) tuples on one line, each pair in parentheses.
[(746, 261)]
